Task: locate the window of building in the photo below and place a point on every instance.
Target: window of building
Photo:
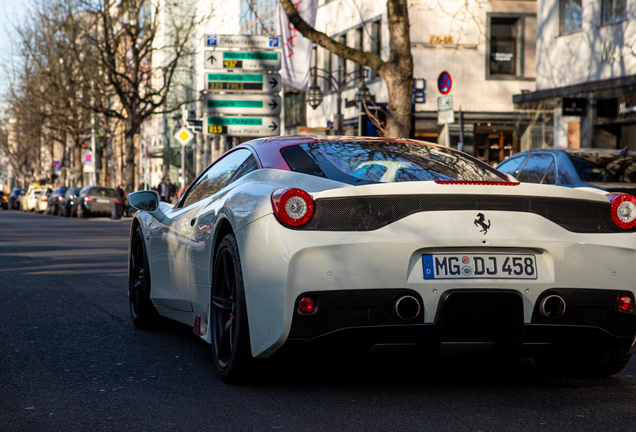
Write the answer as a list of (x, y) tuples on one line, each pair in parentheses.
[(614, 10), (357, 44), (504, 46), (376, 43), (570, 16)]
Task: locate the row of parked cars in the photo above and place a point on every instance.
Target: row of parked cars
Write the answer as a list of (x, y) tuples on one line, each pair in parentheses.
[(63, 201)]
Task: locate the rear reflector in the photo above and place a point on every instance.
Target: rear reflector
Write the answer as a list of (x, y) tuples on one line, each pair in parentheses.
[(306, 305), (625, 303), (476, 182)]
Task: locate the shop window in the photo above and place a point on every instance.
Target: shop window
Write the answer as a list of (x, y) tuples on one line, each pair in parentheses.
[(614, 10), (570, 16), (504, 48)]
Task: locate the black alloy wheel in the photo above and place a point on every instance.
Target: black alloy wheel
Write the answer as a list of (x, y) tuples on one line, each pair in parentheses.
[(230, 332), (143, 312)]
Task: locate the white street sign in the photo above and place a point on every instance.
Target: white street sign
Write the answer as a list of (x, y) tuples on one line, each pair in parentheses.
[(444, 103), (184, 136), (252, 82), (241, 104), (247, 60), (243, 126), (445, 117), (242, 41)]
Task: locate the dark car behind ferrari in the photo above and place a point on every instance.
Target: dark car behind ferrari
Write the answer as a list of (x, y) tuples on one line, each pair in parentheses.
[(14, 198), (93, 200), (67, 206), (610, 170), (56, 200)]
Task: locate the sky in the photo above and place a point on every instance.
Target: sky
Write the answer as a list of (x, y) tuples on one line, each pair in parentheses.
[(9, 10)]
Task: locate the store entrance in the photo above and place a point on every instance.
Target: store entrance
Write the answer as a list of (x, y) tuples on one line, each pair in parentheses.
[(493, 143)]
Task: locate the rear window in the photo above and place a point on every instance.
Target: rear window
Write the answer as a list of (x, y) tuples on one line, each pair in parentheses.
[(605, 168), (103, 192), (359, 163)]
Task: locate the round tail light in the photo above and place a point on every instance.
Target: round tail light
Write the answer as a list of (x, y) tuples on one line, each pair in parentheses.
[(623, 210), (625, 303), (306, 305), (293, 207)]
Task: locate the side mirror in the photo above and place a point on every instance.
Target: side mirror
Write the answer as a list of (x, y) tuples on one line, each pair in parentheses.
[(144, 200)]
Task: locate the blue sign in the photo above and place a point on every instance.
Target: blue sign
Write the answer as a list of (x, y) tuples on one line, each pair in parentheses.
[(210, 40), (274, 42), (444, 83), (419, 96), (58, 165), (427, 264)]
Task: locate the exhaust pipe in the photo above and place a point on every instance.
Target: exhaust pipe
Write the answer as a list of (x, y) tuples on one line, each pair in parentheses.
[(406, 307), (552, 306)]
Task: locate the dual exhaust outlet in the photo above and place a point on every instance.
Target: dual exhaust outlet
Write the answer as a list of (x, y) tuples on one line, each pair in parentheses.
[(407, 307)]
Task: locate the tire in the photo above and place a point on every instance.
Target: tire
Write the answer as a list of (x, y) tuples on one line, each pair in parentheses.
[(594, 364), (143, 313), (231, 348)]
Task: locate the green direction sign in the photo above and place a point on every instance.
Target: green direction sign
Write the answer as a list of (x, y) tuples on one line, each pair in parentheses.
[(248, 60), (241, 104), (257, 82), (244, 126)]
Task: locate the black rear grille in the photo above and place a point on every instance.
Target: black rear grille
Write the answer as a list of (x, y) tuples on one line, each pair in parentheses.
[(371, 213)]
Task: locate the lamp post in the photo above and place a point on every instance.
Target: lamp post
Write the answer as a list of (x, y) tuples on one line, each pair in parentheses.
[(339, 82)]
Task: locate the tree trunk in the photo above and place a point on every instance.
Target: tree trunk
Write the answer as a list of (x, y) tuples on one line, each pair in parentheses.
[(399, 74), (129, 166), (77, 163)]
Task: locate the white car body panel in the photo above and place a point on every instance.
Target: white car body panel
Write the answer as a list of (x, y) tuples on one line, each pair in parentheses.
[(279, 263)]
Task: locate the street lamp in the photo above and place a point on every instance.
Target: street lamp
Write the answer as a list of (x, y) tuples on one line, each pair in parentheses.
[(339, 82)]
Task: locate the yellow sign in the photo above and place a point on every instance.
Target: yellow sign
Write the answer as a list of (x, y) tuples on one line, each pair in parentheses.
[(440, 39), (184, 136)]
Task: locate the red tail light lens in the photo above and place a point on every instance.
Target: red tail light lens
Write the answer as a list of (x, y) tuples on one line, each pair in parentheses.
[(88, 198), (476, 183), (625, 303), (60, 198), (306, 305), (623, 210), (293, 207)]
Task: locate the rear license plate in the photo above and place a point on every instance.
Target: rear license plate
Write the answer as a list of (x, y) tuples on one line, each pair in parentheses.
[(479, 266), (103, 201)]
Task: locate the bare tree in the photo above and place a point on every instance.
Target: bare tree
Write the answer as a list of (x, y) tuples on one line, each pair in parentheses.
[(141, 57), (397, 70)]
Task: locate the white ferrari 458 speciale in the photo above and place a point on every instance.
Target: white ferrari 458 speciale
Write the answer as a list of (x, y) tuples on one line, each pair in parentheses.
[(360, 246)]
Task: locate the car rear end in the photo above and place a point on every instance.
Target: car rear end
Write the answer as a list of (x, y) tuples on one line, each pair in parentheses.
[(444, 265), (99, 200)]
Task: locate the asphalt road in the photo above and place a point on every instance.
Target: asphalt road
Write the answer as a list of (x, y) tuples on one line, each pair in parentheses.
[(71, 360)]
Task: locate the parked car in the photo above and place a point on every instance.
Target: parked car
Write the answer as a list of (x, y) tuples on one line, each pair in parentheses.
[(95, 200), (609, 170), (31, 198), (56, 200), (43, 200), (4, 200), (357, 246), (14, 198), (68, 206)]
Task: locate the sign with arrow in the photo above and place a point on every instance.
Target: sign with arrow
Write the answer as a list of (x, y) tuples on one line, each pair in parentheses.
[(241, 104), (253, 82), (246, 60), (244, 126)]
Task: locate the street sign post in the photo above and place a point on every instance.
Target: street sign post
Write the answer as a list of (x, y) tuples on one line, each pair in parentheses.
[(241, 104), (247, 60), (252, 82), (244, 126), (242, 41)]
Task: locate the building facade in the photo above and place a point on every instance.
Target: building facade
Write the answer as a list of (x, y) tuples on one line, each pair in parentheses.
[(486, 48), (586, 75)]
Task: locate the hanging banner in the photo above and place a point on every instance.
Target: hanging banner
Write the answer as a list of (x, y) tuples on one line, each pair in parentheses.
[(296, 47)]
